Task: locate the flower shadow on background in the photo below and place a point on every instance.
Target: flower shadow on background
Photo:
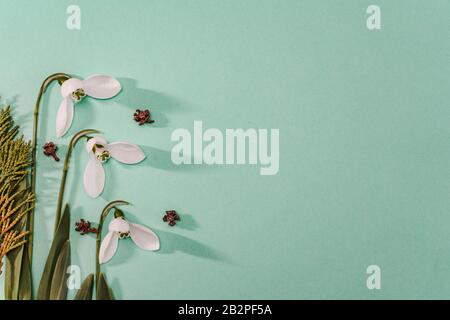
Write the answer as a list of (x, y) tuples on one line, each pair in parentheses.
[(159, 103), (155, 158), (162, 159), (50, 176), (170, 243), (49, 172), (188, 222), (76, 239)]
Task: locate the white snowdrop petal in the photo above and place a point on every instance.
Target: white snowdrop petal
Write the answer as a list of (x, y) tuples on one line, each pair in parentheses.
[(64, 117), (119, 225), (90, 144), (94, 178), (101, 87), (108, 247), (95, 140), (126, 152), (143, 237), (70, 86)]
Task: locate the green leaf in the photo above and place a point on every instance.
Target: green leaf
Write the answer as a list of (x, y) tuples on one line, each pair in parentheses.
[(103, 291), (58, 289), (60, 238), (18, 275), (25, 276), (85, 291), (12, 273), (18, 271)]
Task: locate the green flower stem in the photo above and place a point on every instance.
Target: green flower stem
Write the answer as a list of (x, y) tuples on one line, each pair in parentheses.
[(60, 77), (72, 144), (103, 216)]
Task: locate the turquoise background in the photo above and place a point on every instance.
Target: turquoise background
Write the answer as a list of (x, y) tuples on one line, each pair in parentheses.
[(364, 141)]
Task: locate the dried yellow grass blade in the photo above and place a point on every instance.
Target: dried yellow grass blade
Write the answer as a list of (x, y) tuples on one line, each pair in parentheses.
[(16, 201)]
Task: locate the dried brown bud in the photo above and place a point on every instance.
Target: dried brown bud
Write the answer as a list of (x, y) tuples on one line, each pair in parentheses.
[(84, 227), (142, 116), (171, 217), (50, 150)]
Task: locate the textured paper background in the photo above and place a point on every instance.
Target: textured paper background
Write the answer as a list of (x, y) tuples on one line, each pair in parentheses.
[(363, 118)]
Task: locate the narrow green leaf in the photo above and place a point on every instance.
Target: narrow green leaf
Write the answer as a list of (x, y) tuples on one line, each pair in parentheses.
[(58, 289), (60, 238), (25, 276), (17, 266), (18, 275), (85, 291), (103, 290), (12, 273)]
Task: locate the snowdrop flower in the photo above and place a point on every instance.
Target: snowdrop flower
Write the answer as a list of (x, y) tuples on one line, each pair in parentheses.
[(73, 90), (100, 152), (119, 228)]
